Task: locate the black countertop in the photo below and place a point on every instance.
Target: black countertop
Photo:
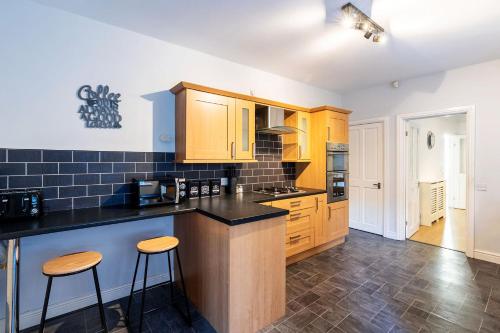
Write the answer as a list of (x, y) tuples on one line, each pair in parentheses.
[(229, 209)]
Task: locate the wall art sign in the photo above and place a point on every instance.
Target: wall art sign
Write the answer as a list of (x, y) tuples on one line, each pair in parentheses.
[(101, 107)]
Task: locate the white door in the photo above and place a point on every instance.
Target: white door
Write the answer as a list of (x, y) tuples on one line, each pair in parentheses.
[(412, 189), (366, 165), (455, 171)]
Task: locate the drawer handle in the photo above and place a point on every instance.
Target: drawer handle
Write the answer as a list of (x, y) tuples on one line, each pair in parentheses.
[(295, 216), (295, 203), (294, 237)]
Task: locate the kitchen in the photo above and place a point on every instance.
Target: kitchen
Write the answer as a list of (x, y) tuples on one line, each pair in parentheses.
[(155, 178)]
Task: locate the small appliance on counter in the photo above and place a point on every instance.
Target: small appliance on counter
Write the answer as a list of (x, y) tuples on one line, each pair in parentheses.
[(214, 187), (169, 191), (204, 188), (19, 204), (194, 189)]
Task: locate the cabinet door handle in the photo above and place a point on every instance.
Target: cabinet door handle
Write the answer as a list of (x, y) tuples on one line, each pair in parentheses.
[(300, 152), (329, 212), (233, 150), (317, 203), (328, 133), (254, 150)]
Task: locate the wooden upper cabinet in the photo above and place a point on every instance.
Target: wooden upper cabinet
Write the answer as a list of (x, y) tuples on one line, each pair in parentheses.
[(213, 128), (297, 146), (338, 127), (210, 131), (245, 130)]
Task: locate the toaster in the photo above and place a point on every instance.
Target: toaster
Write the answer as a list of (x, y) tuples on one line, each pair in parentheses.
[(19, 204)]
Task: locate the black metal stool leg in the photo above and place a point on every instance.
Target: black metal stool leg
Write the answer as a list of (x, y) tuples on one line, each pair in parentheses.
[(183, 286), (45, 305), (99, 300), (171, 278), (144, 292), (132, 289)]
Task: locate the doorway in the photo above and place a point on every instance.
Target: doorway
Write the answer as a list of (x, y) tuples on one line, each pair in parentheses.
[(435, 167)]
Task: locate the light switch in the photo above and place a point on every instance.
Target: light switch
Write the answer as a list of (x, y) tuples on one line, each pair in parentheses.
[(223, 181), (481, 187)]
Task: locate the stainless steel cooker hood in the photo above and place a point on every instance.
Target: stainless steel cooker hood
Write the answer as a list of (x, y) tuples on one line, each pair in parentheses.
[(271, 120)]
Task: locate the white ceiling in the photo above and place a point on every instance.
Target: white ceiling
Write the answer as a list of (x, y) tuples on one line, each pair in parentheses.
[(304, 40)]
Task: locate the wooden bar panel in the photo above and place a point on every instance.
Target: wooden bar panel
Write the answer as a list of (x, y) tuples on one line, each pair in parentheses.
[(235, 276)]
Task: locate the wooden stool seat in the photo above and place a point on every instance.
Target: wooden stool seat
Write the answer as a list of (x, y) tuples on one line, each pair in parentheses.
[(71, 263), (157, 245)]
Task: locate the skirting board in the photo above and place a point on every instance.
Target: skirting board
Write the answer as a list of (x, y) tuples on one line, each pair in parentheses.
[(487, 256), (32, 318), (391, 235)]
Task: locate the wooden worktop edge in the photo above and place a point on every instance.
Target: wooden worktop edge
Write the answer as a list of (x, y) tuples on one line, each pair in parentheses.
[(188, 85)]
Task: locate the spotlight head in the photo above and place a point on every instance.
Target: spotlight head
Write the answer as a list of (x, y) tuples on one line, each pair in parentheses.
[(360, 26), (368, 34), (348, 21), (379, 38)]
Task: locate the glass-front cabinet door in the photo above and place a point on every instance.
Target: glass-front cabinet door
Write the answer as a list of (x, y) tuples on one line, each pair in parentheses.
[(245, 130), (304, 141)]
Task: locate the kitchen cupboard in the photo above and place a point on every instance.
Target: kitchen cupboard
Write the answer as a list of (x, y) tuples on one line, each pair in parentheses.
[(338, 127), (245, 130), (297, 146), (336, 221), (213, 128), (312, 223)]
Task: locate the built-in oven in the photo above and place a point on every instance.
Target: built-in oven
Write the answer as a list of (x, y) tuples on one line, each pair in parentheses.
[(337, 171)]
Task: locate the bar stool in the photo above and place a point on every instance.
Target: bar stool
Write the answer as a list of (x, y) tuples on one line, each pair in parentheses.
[(71, 264), (149, 247)]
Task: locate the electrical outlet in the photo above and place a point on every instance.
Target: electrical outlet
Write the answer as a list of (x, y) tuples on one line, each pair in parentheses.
[(481, 187), (223, 181)]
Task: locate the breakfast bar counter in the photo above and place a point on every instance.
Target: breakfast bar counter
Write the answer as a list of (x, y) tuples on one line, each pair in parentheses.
[(233, 248)]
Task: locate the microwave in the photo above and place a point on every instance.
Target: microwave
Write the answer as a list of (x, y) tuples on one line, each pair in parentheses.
[(169, 191)]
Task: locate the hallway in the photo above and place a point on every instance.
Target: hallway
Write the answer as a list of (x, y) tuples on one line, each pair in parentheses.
[(449, 232)]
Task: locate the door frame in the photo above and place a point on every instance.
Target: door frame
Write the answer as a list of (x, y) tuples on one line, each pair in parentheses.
[(386, 167), (470, 112)]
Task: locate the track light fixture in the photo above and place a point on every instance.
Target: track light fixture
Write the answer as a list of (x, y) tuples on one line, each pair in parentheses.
[(353, 17)]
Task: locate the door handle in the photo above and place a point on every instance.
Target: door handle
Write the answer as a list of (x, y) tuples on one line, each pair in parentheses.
[(378, 185), (233, 150), (329, 212), (317, 203)]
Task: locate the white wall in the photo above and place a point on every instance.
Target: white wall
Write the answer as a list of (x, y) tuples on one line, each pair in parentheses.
[(431, 162), (472, 85), (45, 56)]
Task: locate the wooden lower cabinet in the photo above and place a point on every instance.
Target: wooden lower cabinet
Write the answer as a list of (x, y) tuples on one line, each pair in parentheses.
[(336, 221), (312, 223), (299, 241)]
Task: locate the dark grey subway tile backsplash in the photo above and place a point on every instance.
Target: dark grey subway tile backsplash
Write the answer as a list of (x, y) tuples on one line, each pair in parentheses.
[(73, 179)]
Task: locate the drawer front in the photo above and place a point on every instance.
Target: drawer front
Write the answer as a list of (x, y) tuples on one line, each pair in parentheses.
[(296, 203), (299, 242), (299, 220)]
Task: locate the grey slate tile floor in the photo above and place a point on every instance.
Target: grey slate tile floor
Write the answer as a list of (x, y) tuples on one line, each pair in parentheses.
[(371, 284), (368, 284)]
